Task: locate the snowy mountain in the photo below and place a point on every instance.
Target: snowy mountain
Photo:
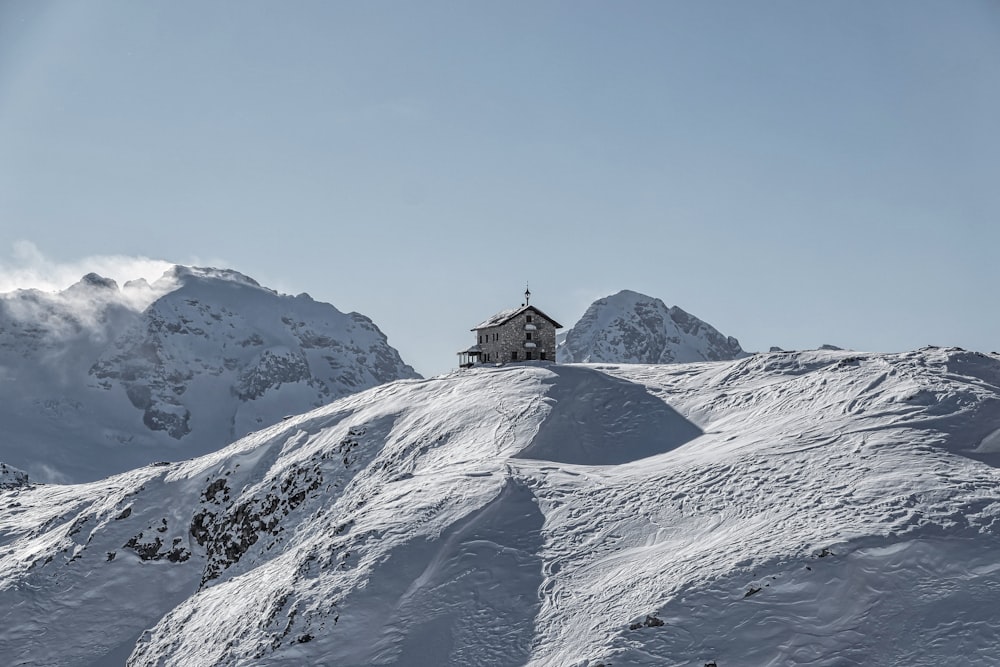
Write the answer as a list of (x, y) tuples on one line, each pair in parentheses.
[(811, 508), (632, 328), (12, 478), (96, 380)]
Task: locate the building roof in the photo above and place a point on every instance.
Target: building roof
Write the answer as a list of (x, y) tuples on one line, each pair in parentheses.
[(507, 315)]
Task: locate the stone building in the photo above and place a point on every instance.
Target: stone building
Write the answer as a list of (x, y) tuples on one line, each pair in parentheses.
[(518, 334)]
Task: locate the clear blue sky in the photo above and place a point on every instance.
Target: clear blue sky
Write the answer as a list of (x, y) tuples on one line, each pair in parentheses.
[(795, 173)]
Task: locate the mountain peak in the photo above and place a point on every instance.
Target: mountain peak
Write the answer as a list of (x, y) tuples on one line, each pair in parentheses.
[(186, 274), (628, 298), (630, 327), (629, 294), (199, 359), (98, 281)]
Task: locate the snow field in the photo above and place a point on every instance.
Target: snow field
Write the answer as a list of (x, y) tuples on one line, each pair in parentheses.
[(818, 508)]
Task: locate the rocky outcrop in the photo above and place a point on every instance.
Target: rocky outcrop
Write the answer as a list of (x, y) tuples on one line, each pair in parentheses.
[(12, 478)]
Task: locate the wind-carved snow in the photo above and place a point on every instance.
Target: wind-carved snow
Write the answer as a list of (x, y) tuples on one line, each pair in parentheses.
[(633, 328), (96, 380), (815, 508)]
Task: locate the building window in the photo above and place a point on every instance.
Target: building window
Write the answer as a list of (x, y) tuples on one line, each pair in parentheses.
[(513, 355), (527, 355), (527, 336), (542, 357), (527, 318)]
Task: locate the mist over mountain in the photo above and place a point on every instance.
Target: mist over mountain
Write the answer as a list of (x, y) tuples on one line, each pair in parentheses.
[(633, 328), (98, 379), (804, 508)]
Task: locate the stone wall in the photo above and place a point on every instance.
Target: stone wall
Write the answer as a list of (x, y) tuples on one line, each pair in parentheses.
[(497, 343)]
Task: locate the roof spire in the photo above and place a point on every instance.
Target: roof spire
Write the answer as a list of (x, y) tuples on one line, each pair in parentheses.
[(527, 294)]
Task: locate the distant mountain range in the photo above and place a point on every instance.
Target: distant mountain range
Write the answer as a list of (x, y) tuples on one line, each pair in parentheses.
[(633, 328), (98, 379)]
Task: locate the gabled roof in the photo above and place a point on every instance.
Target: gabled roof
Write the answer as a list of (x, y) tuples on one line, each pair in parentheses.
[(505, 316)]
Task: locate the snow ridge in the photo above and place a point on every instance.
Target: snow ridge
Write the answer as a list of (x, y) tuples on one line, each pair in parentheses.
[(629, 327), (820, 507)]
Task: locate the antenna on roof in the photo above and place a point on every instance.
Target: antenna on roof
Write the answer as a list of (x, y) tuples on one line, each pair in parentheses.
[(527, 294)]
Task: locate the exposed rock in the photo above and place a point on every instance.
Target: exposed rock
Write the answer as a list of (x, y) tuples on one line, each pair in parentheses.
[(12, 478)]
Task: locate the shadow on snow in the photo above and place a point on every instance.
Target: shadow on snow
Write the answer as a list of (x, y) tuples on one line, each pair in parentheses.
[(597, 419)]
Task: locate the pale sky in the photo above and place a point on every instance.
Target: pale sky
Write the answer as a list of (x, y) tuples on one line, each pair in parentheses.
[(793, 172)]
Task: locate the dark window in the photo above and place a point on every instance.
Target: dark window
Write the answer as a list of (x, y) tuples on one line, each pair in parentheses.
[(528, 336), (527, 355), (513, 355), (542, 357), (527, 318)]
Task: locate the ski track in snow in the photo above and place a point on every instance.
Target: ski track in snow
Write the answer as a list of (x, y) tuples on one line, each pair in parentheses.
[(814, 508)]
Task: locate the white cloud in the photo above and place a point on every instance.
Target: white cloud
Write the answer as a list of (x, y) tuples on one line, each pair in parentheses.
[(26, 267), (65, 315), (46, 474)]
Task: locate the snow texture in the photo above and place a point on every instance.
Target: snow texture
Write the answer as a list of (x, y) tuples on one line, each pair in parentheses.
[(812, 508), (97, 380), (632, 328)]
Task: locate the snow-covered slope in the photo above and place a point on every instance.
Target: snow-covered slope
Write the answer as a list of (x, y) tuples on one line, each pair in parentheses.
[(96, 380), (814, 508), (12, 478), (632, 328)]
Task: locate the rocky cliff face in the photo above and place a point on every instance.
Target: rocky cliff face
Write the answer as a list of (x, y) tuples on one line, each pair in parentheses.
[(633, 328), (180, 367)]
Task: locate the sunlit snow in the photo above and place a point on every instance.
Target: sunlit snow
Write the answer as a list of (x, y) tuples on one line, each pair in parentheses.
[(817, 508)]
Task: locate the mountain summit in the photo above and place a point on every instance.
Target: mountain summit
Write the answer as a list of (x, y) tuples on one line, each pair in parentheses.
[(633, 328), (96, 380)]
